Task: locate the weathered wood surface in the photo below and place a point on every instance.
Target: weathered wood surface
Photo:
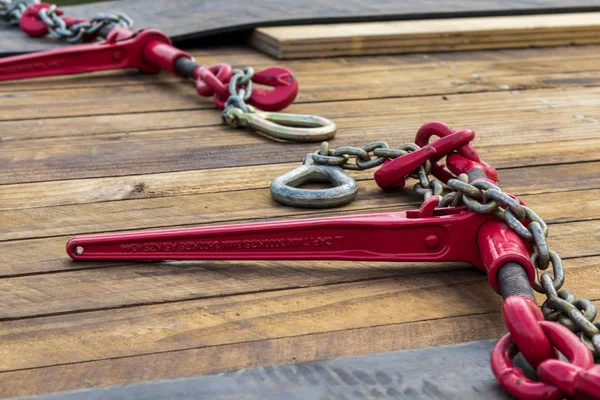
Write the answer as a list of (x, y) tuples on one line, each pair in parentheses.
[(119, 151), (186, 20), (456, 34)]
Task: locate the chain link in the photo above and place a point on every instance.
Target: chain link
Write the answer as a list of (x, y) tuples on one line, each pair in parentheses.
[(11, 10), (560, 305), (485, 197), (76, 33), (373, 155), (240, 90)]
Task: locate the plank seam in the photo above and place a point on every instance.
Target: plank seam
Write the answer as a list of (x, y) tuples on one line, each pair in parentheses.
[(475, 279), (593, 160), (106, 267), (308, 214), (247, 341), (490, 90)]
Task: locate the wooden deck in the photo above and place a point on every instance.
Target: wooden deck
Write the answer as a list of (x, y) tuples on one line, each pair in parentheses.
[(117, 151)]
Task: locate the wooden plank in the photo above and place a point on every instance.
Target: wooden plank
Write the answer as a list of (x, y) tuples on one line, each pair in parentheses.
[(184, 20), (500, 119), (519, 63), (239, 56), (77, 127), (427, 35), (171, 95), (409, 372), (259, 352), (48, 255), (370, 51), (148, 283), (218, 207), (125, 332), (386, 47), (104, 158), (69, 325), (55, 193)]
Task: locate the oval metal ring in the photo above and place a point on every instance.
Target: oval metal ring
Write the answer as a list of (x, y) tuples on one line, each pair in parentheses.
[(285, 189), (293, 127)]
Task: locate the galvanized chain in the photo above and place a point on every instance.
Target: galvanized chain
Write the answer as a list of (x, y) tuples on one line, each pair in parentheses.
[(373, 155), (240, 90), (11, 10), (577, 315), (76, 33), (485, 197)]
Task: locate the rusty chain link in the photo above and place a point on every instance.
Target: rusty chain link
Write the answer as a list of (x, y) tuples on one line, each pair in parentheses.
[(560, 305)]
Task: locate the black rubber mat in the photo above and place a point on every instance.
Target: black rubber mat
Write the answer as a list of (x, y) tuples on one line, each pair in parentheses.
[(194, 21), (447, 372)]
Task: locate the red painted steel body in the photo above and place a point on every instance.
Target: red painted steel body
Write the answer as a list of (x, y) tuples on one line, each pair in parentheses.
[(521, 316), (576, 382), (394, 172), (32, 25), (392, 236), (498, 245), (148, 50), (461, 157), (449, 234), (537, 339), (122, 49), (427, 234)]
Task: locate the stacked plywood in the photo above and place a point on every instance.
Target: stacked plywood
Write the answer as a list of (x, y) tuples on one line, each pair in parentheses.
[(428, 35)]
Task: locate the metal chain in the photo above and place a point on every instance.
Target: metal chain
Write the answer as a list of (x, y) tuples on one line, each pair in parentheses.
[(11, 10), (560, 305), (76, 33), (373, 155), (240, 90), (485, 197)]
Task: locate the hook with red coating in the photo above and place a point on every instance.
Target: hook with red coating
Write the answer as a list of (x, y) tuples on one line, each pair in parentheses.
[(150, 50), (239, 91)]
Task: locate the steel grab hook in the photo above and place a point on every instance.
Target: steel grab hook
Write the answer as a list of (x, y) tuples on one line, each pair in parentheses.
[(285, 190), (285, 89)]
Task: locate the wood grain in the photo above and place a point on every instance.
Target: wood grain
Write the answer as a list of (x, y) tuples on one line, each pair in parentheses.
[(499, 119), (216, 207), (518, 75), (351, 84), (211, 319), (426, 35), (48, 255), (258, 316), (135, 284), (519, 63), (55, 193), (259, 352), (72, 164)]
